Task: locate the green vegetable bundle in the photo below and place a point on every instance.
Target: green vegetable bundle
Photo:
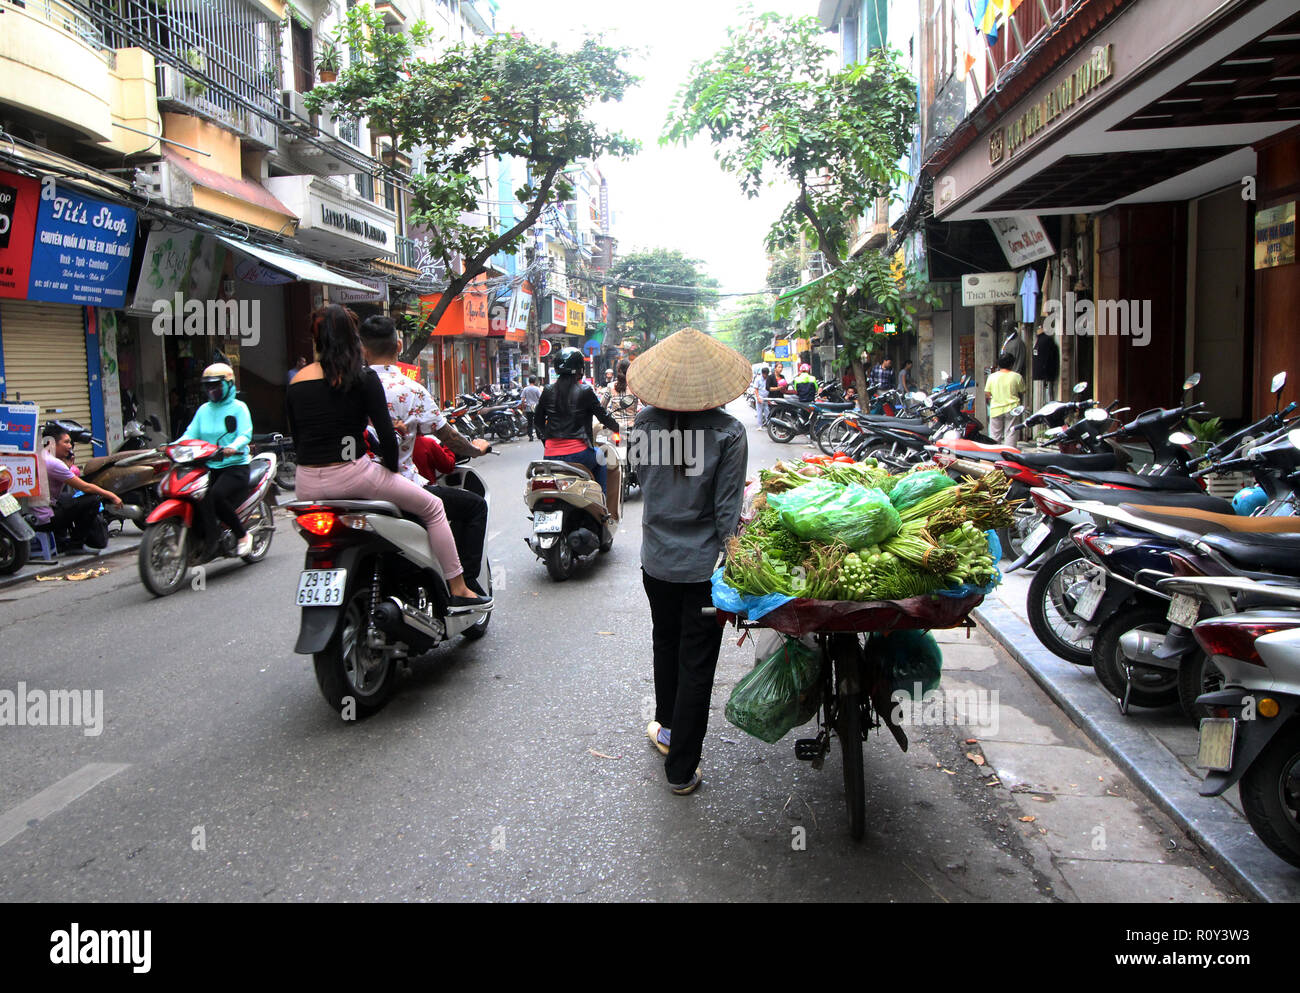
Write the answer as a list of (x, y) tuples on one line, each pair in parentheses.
[(825, 511), (916, 486)]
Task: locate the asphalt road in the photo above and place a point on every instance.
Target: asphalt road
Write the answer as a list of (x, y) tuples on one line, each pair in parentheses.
[(511, 768)]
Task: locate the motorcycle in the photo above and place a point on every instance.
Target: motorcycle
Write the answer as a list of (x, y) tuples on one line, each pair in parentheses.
[(173, 541), (286, 461), (1252, 734), (16, 533), (570, 519), (372, 595)]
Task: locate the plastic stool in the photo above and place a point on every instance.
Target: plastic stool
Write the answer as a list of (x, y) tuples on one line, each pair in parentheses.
[(44, 547)]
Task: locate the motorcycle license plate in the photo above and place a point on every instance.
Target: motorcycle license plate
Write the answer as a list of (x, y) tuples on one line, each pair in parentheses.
[(322, 587), (1036, 538), (1183, 610), (548, 522), (1087, 604), (8, 505), (1218, 735)]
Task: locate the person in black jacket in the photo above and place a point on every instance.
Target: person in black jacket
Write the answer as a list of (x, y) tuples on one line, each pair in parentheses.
[(1047, 363), (563, 417)]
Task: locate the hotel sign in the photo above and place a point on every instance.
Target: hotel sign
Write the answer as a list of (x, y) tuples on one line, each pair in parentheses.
[(1275, 236), (1006, 143)]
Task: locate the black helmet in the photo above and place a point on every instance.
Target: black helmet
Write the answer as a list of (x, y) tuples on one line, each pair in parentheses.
[(570, 361)]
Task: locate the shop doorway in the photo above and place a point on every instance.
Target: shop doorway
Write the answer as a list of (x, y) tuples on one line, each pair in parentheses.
[(1219, 339)]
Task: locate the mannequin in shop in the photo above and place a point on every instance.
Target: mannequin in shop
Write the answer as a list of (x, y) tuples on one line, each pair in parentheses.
[(1047, 364), (1014, 346)]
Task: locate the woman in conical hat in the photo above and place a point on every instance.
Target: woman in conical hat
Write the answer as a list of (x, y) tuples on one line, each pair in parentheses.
[(691, 459)]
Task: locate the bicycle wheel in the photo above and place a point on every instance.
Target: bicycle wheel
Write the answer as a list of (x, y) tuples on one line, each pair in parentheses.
[(846, 655), (835, 436)]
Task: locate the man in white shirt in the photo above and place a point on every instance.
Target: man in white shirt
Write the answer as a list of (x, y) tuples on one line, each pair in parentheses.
[(415, 412), (532, 393)]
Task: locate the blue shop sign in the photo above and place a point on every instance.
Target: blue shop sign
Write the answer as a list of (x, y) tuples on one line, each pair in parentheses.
[(82, 250), (18, 427)]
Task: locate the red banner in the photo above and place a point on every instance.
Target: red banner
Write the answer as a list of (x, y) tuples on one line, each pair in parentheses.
[(19, 200)]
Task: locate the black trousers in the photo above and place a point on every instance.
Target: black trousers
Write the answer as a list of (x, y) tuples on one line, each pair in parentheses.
[(686, 645), (75, 517), (528, 415), (226, 489), (467, 516)]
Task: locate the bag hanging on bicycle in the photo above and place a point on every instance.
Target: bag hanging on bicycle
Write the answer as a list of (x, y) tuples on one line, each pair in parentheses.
[(782, 692)]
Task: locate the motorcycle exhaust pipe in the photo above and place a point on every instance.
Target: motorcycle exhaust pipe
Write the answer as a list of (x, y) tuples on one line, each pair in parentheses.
[(127, 512), (1142, 648), (405, 624)]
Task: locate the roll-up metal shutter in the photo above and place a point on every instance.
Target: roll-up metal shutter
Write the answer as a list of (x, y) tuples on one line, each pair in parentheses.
[(45, 359)]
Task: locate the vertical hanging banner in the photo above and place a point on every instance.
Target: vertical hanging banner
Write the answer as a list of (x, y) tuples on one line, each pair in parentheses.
[(19, 196), (82, 250)]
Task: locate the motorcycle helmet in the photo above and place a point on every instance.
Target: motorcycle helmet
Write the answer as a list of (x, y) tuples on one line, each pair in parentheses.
[(1249, 499), (219, 382), (805, 367), (570, 362)]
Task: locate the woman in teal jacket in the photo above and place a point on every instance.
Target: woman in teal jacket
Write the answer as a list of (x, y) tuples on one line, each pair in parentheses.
[(228, 481)]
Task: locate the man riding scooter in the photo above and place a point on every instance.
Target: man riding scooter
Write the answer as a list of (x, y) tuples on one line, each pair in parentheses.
[(415, 412)]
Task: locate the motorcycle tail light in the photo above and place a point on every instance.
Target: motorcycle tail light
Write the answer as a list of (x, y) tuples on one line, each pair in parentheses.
[(1104, 545), (6, 480), (616, 438), (1184, 566), (545, 484), (852, 424), (317, 522), (1235, 639), (1049, 506)]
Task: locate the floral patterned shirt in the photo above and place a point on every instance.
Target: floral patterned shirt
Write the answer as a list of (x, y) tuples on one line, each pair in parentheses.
[(413, 405)]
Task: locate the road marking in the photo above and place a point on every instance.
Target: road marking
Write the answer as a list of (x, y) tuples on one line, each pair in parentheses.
[(50, 801)]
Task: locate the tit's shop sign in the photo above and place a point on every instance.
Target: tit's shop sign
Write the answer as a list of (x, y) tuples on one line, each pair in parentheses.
[(1045, 113)]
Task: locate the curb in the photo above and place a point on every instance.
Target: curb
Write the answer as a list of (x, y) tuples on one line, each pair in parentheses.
[(1224, 835), (62, 567)]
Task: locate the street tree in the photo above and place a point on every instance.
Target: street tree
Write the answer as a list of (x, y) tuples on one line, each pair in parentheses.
[(670, 292), (775, 107), (501, 97), (750, 326)]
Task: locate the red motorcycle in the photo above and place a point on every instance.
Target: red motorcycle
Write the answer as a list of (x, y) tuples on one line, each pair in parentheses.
[(174, 541)]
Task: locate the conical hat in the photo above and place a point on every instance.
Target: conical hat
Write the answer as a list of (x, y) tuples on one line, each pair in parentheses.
[(689, 371)]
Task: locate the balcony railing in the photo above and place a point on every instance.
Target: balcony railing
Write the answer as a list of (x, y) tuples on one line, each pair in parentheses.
[(1029, 20), (408, 253), (67, 17), (226, 51)]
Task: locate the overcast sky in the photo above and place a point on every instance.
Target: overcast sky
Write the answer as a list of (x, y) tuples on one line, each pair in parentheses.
[(669, 197)]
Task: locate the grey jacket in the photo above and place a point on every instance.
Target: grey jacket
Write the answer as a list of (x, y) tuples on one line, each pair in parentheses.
[(687, 517)]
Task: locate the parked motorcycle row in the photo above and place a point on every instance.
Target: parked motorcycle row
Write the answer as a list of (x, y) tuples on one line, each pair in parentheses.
[(1173, 596)]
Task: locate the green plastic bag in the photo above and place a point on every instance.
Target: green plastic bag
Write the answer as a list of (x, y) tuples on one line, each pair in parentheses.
[(908, 658), (916, 486), (782, 692), (825, 511)]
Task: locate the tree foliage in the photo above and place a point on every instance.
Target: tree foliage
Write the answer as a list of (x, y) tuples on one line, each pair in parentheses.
[(751, 326), (501, 97), (774, 106), (681, 295)]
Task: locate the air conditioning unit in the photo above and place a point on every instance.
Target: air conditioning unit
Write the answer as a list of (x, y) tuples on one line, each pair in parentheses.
[(294, 114)]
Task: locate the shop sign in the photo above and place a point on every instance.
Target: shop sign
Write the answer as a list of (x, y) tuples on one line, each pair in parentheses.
[(782, 349), (984, 289), (409, 371), (335, 217), (559, 314), (254, 272), (1023, 239), (576, 322), (1275, 236), (19, 453), (178, 260), (521, 306), (82, 250), (377, 289), (1047, 112), (18, 198)]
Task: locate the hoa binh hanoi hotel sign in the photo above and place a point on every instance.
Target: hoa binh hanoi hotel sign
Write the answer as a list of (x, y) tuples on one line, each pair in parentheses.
[(1043, 114)]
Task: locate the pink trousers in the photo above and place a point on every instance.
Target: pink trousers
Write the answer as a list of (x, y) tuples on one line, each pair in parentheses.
[(366, 479)]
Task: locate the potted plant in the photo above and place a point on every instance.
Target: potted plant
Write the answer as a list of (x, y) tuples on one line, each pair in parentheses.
[(328, 61), (198, 62)]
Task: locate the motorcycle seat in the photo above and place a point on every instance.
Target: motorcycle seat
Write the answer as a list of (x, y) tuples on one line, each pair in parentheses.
[(915, 424), (257, 470), (830, 406), (556, 467), (1158, 499), (1200, 520), (351, 506), (1129, 479), (1276, 552), (1077, 463)]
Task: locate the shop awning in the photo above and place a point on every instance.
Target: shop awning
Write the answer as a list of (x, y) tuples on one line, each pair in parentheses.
[(299, 268), (791, 294)]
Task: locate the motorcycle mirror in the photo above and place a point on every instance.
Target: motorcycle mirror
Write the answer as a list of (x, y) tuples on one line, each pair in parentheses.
[(1278, 382), (919, 397), (1079, 388), (1097, 414), (1182, 438), (1191, 381)]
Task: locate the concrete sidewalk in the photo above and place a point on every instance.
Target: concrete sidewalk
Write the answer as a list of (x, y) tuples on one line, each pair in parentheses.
[(1156, 748), (119, 543)]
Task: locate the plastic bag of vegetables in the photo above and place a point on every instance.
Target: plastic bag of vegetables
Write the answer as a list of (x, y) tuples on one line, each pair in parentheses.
[(782, 692), (916, 486), (826, 511), (908, 658)]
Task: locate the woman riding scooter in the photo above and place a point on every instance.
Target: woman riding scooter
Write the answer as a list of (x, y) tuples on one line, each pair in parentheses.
[(563, 418), (228, 481)]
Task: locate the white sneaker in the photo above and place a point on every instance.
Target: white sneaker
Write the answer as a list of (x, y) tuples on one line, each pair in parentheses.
[(244, 546)]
